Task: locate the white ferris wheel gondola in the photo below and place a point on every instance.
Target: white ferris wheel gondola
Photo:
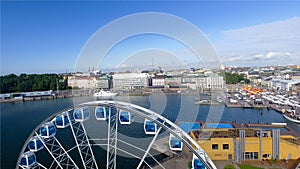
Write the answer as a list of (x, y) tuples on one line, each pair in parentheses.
[(174, 143), (47, 130), (150, 127), (125, 117), (27, 160), (81, 114), (196, 163), (62, 120), (102, 113), (35, 144)]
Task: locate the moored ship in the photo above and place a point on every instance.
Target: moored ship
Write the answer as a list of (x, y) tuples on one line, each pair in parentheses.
[(291, 115), (105, 94)]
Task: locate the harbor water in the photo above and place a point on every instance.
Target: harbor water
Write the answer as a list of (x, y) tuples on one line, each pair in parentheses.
[(19, 119)]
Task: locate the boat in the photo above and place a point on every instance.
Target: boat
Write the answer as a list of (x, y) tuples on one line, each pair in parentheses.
[(103, 93), (292, 116)]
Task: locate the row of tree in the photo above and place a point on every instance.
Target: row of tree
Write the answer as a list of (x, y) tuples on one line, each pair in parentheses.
[(32, 82), (233, 78)]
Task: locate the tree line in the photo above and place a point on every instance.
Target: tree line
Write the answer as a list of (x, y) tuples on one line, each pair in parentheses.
[(234, 78), (31, 82)]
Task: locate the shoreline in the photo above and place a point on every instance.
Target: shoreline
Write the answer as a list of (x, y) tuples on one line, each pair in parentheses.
[(64, 94), (27, 99), (68, 94)]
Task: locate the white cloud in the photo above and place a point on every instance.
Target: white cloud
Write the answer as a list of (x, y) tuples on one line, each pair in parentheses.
[(274, 42), (271, 55)]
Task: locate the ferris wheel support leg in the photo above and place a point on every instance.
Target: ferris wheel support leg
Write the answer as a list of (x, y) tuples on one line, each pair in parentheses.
[(112, 140), (83, 144), (58, 153), (148, 149)]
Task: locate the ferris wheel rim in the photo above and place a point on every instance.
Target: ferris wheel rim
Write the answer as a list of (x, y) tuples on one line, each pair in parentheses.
[(140, 111)]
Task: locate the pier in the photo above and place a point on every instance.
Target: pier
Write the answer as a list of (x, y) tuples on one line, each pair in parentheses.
[(42, 95)]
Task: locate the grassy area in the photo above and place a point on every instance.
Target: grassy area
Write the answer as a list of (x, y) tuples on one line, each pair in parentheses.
[(245, 166), (229, 166)]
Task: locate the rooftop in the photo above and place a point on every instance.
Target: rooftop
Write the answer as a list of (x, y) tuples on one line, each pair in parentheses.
[(203, 130)]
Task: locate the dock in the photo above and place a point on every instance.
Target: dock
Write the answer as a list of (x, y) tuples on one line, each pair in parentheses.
[(237, 105), (42, 95)]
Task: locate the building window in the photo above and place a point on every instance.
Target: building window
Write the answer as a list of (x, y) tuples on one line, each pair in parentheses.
[(214, 146), (267, 156), (251, 155), (225, 146)]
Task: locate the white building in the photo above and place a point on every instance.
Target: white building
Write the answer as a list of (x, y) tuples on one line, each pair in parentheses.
[(266, 81), (130, 80), (158, 82), (82, 82), (280, 84), (204, 82), (173, 81)]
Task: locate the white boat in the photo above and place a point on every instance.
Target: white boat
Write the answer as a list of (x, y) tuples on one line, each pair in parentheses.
[(292, 117), (103, 93)]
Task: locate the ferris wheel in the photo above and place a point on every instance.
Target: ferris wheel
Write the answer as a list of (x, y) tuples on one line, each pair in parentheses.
[(108, 134)]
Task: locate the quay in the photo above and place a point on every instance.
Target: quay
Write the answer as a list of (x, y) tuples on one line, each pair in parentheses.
[(41, 95)]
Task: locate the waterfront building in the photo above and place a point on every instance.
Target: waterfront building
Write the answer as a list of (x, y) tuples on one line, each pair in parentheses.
[(191, 80), (90, 82), (215, 81), (173, 81), (104, 82), (266, 81), (281, 84), (295, 75), (130, 80), (82, 82), (203, 82), (265, 72), (252, 74), (158, 81), (5, 96), (246, 143)]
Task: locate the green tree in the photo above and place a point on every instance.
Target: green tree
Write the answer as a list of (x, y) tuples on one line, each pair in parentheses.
[(33, 82), (233, 78)]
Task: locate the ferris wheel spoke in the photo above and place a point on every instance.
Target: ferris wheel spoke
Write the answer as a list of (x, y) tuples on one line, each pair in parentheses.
[(135, 156), (148, 149), (58, 153), (40, 166), (36, 166), (83, 144)]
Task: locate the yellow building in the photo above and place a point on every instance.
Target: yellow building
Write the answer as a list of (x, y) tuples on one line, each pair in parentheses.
[(229, 145)]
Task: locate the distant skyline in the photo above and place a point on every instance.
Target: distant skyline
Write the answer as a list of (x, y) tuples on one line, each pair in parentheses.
[(42, 37)]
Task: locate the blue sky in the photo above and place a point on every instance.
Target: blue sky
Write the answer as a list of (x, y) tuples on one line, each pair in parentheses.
[(39, 37)]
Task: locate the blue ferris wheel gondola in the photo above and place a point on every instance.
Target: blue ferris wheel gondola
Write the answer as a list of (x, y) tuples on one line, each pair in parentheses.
[(126, 117), (27, 160), (35, 144), (196, 163), (150, 127), (48, 130), (62, 120), (174, 143), (102, 113), (81, 114)]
